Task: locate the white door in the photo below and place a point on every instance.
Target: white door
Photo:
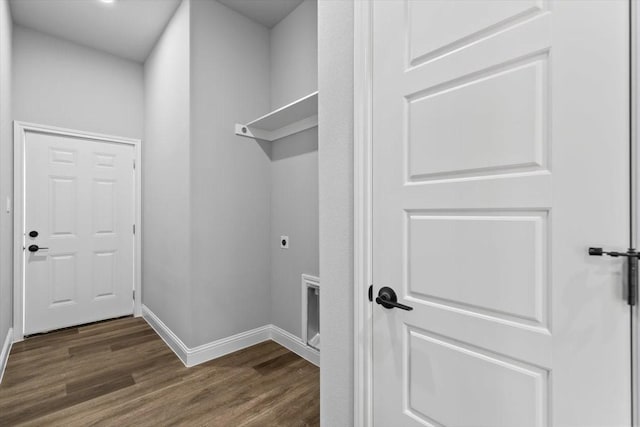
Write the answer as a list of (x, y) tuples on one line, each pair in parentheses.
[(500, 154), (79, 199)]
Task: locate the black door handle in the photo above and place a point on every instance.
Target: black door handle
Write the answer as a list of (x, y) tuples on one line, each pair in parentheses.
[(35, 248), (388, 299)]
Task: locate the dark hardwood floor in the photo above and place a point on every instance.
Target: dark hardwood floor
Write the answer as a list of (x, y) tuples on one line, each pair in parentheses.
[(120, 373)]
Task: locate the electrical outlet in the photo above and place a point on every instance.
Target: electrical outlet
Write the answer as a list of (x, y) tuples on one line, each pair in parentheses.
[(284, 242)]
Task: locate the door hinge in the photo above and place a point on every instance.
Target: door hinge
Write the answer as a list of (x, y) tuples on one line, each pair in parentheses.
[(134, 294), (134, 229), (134, 163), (632, 270)]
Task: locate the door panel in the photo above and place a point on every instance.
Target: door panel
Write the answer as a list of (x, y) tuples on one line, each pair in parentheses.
[(436, 28), (504, 124), (64, 279), (63, 195), (104, 267), (514, 281), (80, 200), (500, 153), (103, 207), (449, 377)]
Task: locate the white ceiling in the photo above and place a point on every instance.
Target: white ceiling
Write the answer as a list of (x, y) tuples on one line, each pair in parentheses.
[(265, 12), (127, 28)]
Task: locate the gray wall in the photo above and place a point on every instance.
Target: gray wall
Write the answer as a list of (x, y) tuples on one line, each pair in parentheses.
[(6, 173), (60, 83), (294, 55), (230, 174), (294, 167), (335, 45), (166, 178)]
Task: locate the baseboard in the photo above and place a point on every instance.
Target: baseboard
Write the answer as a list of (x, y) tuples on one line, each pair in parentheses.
[(213, 350), (6, 349), (294, 344), (204, 353), (167, 335), (218, 348)]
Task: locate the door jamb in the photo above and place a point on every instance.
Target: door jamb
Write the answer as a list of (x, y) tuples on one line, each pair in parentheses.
[(19, 139), (634, 120), (362, 180)]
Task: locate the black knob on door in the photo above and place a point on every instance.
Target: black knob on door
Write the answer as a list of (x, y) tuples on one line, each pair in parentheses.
[(33, 233), (388, 299), (35, 248)]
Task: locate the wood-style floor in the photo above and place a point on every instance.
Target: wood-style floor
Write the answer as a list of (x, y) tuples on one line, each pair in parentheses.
[(120, 373)]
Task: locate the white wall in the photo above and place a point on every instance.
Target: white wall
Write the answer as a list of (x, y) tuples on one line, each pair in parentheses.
[(60, 83), (6, 173), (294, 55), (166, 209), (335, 78), (229, 174), (294, 167)]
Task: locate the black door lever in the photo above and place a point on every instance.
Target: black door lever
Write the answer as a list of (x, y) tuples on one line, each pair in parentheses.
[(631, 253), (388, 299)]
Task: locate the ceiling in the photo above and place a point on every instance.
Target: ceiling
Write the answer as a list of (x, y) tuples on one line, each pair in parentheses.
[(126, 28), (265, 12)]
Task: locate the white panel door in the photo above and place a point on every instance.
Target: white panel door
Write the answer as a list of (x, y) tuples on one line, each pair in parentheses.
[(79, 199), (500, 154)]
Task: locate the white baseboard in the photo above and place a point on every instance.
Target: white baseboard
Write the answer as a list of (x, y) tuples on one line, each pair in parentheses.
[(295, 344), (218, 348), (213, 350), (6, 349), (167, 335)]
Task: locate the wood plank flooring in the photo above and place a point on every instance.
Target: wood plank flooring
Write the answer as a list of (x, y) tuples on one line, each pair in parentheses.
[(120, 373)]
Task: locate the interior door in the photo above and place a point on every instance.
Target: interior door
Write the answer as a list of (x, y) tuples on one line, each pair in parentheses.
[(79, 216), (500, 154)]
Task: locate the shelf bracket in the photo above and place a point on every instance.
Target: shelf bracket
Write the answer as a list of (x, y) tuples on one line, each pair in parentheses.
[(248, 132)]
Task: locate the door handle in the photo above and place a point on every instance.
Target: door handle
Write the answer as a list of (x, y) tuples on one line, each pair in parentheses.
[(35, 248), (388, 299)]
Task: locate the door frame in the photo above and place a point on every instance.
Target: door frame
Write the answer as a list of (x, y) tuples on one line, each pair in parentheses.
[(634, 120), (20, 130), (362, 207)]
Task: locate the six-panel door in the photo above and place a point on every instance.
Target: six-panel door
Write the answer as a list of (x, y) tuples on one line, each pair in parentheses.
[(79, 198)]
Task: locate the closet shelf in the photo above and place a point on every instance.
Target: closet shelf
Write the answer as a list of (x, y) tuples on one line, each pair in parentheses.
[(292, 118)]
